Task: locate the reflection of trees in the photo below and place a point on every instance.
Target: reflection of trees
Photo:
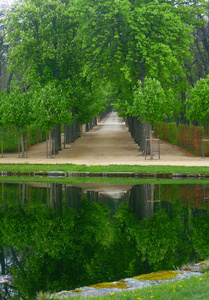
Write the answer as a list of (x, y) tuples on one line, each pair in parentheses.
[(73, 196), (10, 258), (195, 195), (143, 201), (69, 240)]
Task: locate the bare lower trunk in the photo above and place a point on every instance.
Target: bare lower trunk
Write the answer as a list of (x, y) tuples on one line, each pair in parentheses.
[(50, 143), (57, 136), (67, 134), (22, 143), (151, 148)]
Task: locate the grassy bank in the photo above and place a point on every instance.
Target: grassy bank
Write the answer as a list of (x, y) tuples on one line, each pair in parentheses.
[(109, 168), (188, 289)]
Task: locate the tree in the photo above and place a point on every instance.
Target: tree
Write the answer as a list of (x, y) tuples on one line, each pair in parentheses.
[(40, 35), (50, 106), (150, 103), (3, 52), (16, 109), (198, 102), (42, 45), (126, 41)]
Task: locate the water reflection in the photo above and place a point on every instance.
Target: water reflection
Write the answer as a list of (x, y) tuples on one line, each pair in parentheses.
[(55, 237)]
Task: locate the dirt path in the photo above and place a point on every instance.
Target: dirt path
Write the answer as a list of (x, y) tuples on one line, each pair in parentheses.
[(108, 143)]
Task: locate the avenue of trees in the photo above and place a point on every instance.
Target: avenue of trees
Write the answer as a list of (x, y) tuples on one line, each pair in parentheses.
[(63, 61)]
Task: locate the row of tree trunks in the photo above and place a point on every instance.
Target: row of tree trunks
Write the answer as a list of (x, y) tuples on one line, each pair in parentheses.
[(92, 122), (139, 131), (72, 132)]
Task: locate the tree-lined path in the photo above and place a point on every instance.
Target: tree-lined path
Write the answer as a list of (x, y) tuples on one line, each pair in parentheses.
[(107, 143)]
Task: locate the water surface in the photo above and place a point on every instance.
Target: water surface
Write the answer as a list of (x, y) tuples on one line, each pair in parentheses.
[(61, 236)]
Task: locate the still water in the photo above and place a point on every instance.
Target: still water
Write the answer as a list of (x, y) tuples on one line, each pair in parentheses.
[(61, 236)]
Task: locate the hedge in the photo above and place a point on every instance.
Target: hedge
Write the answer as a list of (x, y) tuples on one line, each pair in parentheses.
[(185, 136)]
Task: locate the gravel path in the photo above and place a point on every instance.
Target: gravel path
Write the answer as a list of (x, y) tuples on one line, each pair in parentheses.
[(108, 143)]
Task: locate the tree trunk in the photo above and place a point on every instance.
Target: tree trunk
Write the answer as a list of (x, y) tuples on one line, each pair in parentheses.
[(57, 135), (9, 82), (50, 143), (22, 143), (67, 134), (151, 143)]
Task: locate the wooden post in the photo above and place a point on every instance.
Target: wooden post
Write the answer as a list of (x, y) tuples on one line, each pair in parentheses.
[(2, 148), (64, 142), (203, 151), (158, 147), (47, 148), (151, 152), (26, 150), (22, 143), (19, 147), (53, 145), (50, 143), (145, 148)]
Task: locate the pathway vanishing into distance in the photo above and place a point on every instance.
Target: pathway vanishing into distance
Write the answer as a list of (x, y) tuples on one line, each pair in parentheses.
[(111, 123), (108, 143)]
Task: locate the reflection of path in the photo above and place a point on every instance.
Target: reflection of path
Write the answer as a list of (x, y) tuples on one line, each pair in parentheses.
[(107, 143)]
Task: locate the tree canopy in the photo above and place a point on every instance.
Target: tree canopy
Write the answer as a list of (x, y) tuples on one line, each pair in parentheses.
[(198, 102), (99, 50)]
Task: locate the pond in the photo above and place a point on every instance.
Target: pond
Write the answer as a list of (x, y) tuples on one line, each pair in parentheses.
[(60, 236)]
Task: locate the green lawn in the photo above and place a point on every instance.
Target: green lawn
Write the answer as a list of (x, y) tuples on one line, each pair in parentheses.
[(109, 168), (193, 288)]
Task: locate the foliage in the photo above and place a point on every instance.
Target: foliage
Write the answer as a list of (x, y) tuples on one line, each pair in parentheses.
[(10, 137), (199, 235), (198, 102), (50, 105), (84, 240), (152, 49), (38, 34), (150, 103), (41, 46), (16, 108)]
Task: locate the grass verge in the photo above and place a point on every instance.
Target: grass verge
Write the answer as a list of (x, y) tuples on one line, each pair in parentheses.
[(109, 168), (108, 181), (193, 288)]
